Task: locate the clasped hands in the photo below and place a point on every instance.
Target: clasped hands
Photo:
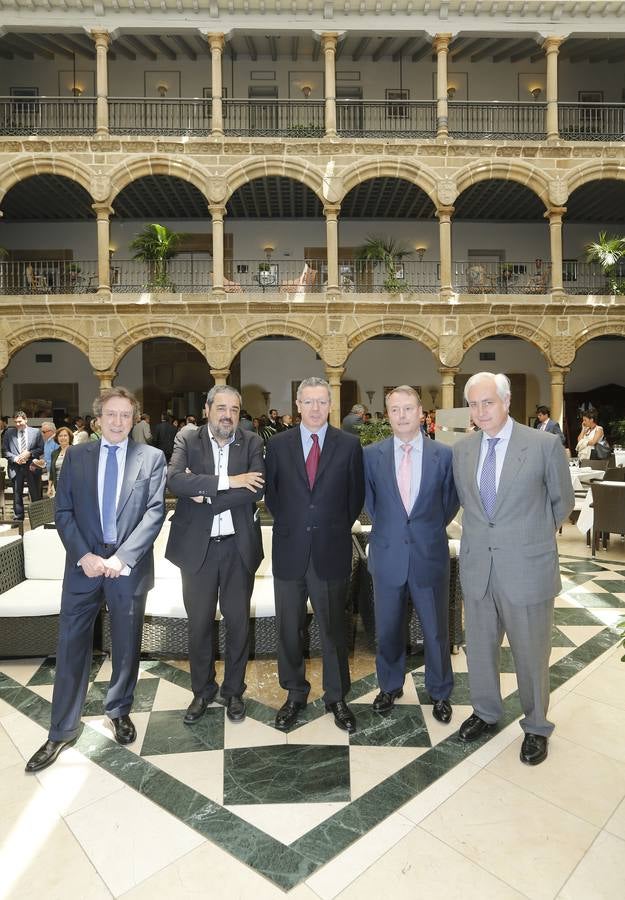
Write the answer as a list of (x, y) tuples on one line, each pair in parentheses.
[(93, 566), (253, 481)]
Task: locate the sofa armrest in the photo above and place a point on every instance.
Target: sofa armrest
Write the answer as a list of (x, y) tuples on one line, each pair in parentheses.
[(11, 565)]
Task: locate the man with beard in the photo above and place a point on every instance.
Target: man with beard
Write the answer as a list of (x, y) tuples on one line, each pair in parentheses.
[(217, 471)]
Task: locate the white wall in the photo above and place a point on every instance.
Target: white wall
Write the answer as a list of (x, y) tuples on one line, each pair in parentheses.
[(513, 357), (272, 366), (385, 363)]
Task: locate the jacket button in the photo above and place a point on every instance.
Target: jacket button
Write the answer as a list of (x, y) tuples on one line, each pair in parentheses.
[(309, 528)]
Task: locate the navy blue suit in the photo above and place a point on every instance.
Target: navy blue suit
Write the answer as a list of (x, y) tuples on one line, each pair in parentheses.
[(140, 515), (409, 555), (21, 472)]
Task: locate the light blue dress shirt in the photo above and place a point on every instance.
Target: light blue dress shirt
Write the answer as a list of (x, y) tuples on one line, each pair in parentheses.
[(307, 440), (500, 450), (416, 458)]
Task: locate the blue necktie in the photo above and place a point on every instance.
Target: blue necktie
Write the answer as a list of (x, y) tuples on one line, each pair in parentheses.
[(488, 478), (109, 497)]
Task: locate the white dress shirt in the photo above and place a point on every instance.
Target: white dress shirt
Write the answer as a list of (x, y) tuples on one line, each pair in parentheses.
[(222, 523), (500, 450)]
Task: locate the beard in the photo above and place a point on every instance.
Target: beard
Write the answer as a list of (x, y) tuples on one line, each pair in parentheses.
[(223, 429)]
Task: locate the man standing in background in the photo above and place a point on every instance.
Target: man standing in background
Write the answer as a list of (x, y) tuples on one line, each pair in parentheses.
[(23, 446)]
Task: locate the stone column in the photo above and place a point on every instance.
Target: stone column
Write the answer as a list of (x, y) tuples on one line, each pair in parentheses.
[(217, 214), (328, 45), (555, 239), (220, 375), (444, 214), (558, 375), (216, 43), (333, 377), (102, 40), (332, 247), (103, 212), (441, 45), (448, 376), (551, 47), (105, 378)]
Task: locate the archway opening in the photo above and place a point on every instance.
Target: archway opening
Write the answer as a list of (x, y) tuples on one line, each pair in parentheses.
[(597, 380), (591, 209)]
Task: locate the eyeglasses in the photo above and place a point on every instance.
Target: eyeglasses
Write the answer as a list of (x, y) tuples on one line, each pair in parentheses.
[(308, 404), (111, 415)]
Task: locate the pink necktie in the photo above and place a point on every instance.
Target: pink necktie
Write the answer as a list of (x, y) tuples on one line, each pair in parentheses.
[(404, 476)]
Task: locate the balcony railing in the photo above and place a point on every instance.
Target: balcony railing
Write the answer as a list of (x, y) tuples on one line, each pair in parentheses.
[(406, 276), (474, 277), (277, 118), (591, 121), (50, 276), (397, 118), (138, 115), (47, 115), (495, 119), (588, 278)]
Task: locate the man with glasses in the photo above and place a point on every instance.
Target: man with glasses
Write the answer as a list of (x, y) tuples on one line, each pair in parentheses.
[(315, 491)]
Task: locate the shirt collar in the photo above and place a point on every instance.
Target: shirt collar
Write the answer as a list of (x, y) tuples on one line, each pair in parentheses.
[(213, 438), (308, 434), (416, 443), (121, 444), (504, 434)]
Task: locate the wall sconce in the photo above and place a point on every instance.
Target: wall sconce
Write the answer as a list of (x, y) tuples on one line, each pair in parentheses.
[(77, 91), (306, 90), (370, 395), (162, 89), (420, 251), (451, 91), (536, 92), (268, 249)]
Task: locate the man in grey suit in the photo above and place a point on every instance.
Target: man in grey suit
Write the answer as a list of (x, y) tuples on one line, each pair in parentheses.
[(110, 505), (546, 423), (514, 484)]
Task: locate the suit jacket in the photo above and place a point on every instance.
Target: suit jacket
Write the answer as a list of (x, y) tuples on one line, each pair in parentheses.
[(554, 428), (140, 513), (34, 443), (397, 536), (164, 437), (534, 496), (192, 522), (316, 522)]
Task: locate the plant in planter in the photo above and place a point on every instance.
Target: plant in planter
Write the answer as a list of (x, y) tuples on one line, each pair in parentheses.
[(374, 431), (607, 252), (155, 245), (387, 251)]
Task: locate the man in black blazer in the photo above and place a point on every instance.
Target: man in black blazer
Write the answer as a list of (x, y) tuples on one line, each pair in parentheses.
[(110, 506), (217, 471), (315, 491), (22, 446), (545, 423)]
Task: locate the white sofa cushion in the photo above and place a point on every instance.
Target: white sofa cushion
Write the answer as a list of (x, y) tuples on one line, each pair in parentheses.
[(265, 570), (27, 599), (44, 555)]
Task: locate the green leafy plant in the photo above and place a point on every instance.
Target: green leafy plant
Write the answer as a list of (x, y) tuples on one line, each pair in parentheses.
[(374, 431), (617, 432), (387, 251), (607, 251), (155, 245)]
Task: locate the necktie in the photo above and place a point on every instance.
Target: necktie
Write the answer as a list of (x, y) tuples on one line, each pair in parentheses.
[(488, 479), (404, 476), (109, 497), (312, 460), (22, 441)]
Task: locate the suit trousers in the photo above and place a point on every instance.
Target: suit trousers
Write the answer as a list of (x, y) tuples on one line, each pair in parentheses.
[(33, 480), (74, 652), (529, 634), (224, 577), (391, 612), (328, 600)]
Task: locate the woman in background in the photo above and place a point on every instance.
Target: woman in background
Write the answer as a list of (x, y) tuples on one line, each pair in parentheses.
[(64, 437), (589, 436)]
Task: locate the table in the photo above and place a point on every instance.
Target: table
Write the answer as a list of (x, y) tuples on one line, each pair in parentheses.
[(584, 523), (580, 477), (619, 457)]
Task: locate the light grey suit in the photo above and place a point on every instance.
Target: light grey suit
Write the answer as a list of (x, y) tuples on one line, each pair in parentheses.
[(509, 568)]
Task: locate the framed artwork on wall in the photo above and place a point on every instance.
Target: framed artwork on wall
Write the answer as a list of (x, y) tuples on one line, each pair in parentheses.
[(590, 96)]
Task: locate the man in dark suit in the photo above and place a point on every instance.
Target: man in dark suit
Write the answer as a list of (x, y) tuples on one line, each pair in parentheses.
[(545, 423), (164, 436), (315, 491), (23, 445), (411, 498), (109, 510), (217, 471)]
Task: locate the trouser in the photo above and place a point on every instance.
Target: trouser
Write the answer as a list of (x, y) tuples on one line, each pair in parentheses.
[(33, 480)]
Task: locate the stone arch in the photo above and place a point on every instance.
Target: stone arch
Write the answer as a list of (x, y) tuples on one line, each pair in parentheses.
[(39, 331), (615, 327), (393, 326), (138, 167), (521, 172), (248, 335), (155, 329), (417, 174), (298, 170), (594, 171), (540, 339), (21, 169)]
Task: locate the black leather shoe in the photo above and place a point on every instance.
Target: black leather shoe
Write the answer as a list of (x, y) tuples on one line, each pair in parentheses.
[(47, 754), (287, 714), (441, 710), (472, 728), (534, 749), (125, 732), (196, 710), (343, 716), (236, 709), (385, 700)]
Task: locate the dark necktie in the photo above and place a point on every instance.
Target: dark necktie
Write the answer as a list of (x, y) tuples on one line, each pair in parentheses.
[(312, 460), (488, 478), (109, 497), (22, 441)]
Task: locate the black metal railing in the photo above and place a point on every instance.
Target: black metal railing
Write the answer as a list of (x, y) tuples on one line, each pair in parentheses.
[(283, 276), (397, 118), (138, 115), (584, 278), (47, 115), (405, 276), (188, 275), (277, 118), (476, 277), (591, 121), (497, 119), (49, 276)]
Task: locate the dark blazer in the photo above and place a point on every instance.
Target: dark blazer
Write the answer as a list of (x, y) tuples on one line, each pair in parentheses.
[(554, 428), (164, 435), (192, 522), (395, 535), (316, 522), (34, 443), (52, 479), (140, 513)]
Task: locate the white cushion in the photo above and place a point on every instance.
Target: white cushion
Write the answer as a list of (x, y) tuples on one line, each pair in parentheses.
[(262, 603), (165, 599), (454, 549), (44, 554), (42, 598), (165, 570), (265, 568)]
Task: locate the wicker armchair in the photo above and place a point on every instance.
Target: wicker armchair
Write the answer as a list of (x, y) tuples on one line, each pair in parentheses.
[(22, 636), (40, 512)]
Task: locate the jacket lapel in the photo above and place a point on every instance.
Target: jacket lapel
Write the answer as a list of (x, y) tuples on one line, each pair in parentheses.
[(387, 452), (295, 437), (472, 458), (514, 460), (207, 450), (329, 446), (90, 474), (134, 458), (235, 454)]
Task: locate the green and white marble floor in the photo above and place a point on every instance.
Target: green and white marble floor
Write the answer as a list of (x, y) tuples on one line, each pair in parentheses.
[(401, 806)]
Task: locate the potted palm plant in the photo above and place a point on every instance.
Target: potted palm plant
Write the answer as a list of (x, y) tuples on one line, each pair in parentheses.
[(387, 251), (607, 252), (155, 245)]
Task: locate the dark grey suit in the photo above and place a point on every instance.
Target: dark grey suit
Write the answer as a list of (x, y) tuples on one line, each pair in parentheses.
[(552, 428), (509, 568), (21, 473)]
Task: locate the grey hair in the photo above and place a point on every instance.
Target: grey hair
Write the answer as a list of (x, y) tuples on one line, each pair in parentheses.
[(49, 425), (357, 408), (404, 389), (112, 393), (221, 389), (313, 381), (502, 384)]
